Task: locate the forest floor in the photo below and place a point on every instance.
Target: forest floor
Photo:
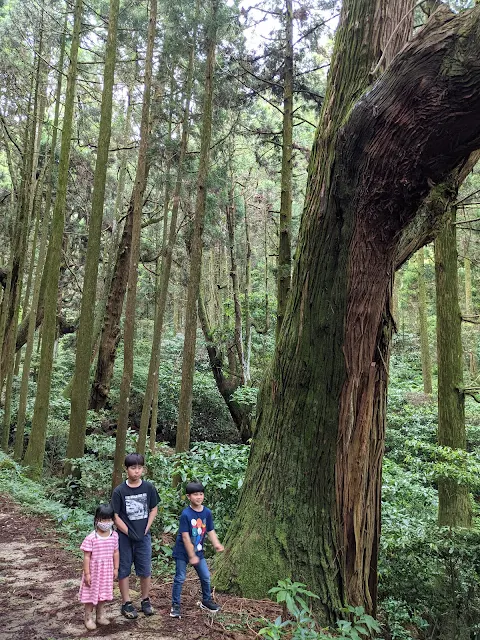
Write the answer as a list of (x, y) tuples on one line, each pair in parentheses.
[(39, 581)]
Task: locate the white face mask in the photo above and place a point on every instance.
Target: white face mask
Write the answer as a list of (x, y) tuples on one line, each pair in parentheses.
[(105, 526)]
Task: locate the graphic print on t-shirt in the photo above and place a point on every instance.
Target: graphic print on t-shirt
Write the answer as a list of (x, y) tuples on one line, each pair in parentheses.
[(136, 506), (199, 529)]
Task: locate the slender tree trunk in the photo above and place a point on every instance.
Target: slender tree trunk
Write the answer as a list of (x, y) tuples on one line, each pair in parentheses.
[(20, 241), (319, 436), (36, 445), (152, 379), (188, 364), (454, 508), (238, 330), (80, 389), (470, 331), (284, 250), (139, 190), (423, 324)]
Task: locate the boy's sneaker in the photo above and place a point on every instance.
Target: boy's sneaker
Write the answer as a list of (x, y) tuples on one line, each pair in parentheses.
[(147, 607), (129, 611), (175, 611), (210, 605)]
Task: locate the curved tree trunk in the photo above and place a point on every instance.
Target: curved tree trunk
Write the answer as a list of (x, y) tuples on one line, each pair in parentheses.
[(310, 506)]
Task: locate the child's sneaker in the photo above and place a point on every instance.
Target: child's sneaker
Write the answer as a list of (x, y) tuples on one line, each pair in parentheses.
[(175, 611), (210, 605), (129, 611), (147, 607)]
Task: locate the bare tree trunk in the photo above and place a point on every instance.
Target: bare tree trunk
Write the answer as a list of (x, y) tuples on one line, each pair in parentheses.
[(284, 250), (423, 325), (454, 508), (80, 389), (139, 190), (185, 401)]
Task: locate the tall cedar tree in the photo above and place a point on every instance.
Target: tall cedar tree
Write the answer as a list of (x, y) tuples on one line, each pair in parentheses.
[(188, 364), (167, 257), (80, 388), (454, 509), (310, 505), (36, 445), (137, 204)]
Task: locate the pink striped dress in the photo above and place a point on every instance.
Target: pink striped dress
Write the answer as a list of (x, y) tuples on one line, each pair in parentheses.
[(101, 568)]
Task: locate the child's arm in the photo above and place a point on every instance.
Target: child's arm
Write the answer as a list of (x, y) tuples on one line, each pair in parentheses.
[(116, 563), (192, 556), (120, 524), (86, 567), (212, 536), (151, 517)]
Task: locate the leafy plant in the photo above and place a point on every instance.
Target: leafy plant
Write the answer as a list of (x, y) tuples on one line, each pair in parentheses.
[(301, 625)]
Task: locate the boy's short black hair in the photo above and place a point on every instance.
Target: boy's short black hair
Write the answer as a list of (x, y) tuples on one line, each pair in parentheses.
[(194, 487), (103, 512), (133, 459)]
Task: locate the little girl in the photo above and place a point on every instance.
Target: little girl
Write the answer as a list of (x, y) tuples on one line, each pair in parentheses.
[(100, 566)]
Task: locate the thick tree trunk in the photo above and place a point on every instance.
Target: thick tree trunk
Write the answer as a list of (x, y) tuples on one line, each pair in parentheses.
[(310, 506), (36, 445), (423, 325), (188, 364), (83, 354), (454, 508)]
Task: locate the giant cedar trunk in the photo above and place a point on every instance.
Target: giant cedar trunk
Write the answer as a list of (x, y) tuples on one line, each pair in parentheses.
[(310, 506)]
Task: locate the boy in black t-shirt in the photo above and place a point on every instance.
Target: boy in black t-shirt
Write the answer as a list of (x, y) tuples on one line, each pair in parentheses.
[(135, 505)]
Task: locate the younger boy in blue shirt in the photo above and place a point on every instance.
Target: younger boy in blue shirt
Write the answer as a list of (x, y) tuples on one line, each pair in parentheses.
[(195, 521)]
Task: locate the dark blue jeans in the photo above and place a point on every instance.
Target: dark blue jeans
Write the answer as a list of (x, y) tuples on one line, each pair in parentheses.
[(180, 574)]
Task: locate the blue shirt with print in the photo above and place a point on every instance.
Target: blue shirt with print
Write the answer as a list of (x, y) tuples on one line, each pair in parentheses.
[(197, 524)]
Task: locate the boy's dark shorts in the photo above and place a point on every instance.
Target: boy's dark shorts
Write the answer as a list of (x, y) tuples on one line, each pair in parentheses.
[(140, 553)]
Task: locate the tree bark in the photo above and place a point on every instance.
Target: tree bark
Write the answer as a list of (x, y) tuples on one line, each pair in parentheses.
[(423, 325), (454, 508), (83, 354), (310, 505), (285, 227)]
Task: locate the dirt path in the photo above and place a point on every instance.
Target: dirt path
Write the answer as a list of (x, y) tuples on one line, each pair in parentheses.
[(39, 584)]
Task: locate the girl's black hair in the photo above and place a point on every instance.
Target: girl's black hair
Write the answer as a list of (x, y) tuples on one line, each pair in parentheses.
[(103, 512)]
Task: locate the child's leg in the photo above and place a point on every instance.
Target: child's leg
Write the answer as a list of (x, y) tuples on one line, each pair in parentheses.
[(101, 614), (180, 575), (126, 559), (204, 574), (89, 617)]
